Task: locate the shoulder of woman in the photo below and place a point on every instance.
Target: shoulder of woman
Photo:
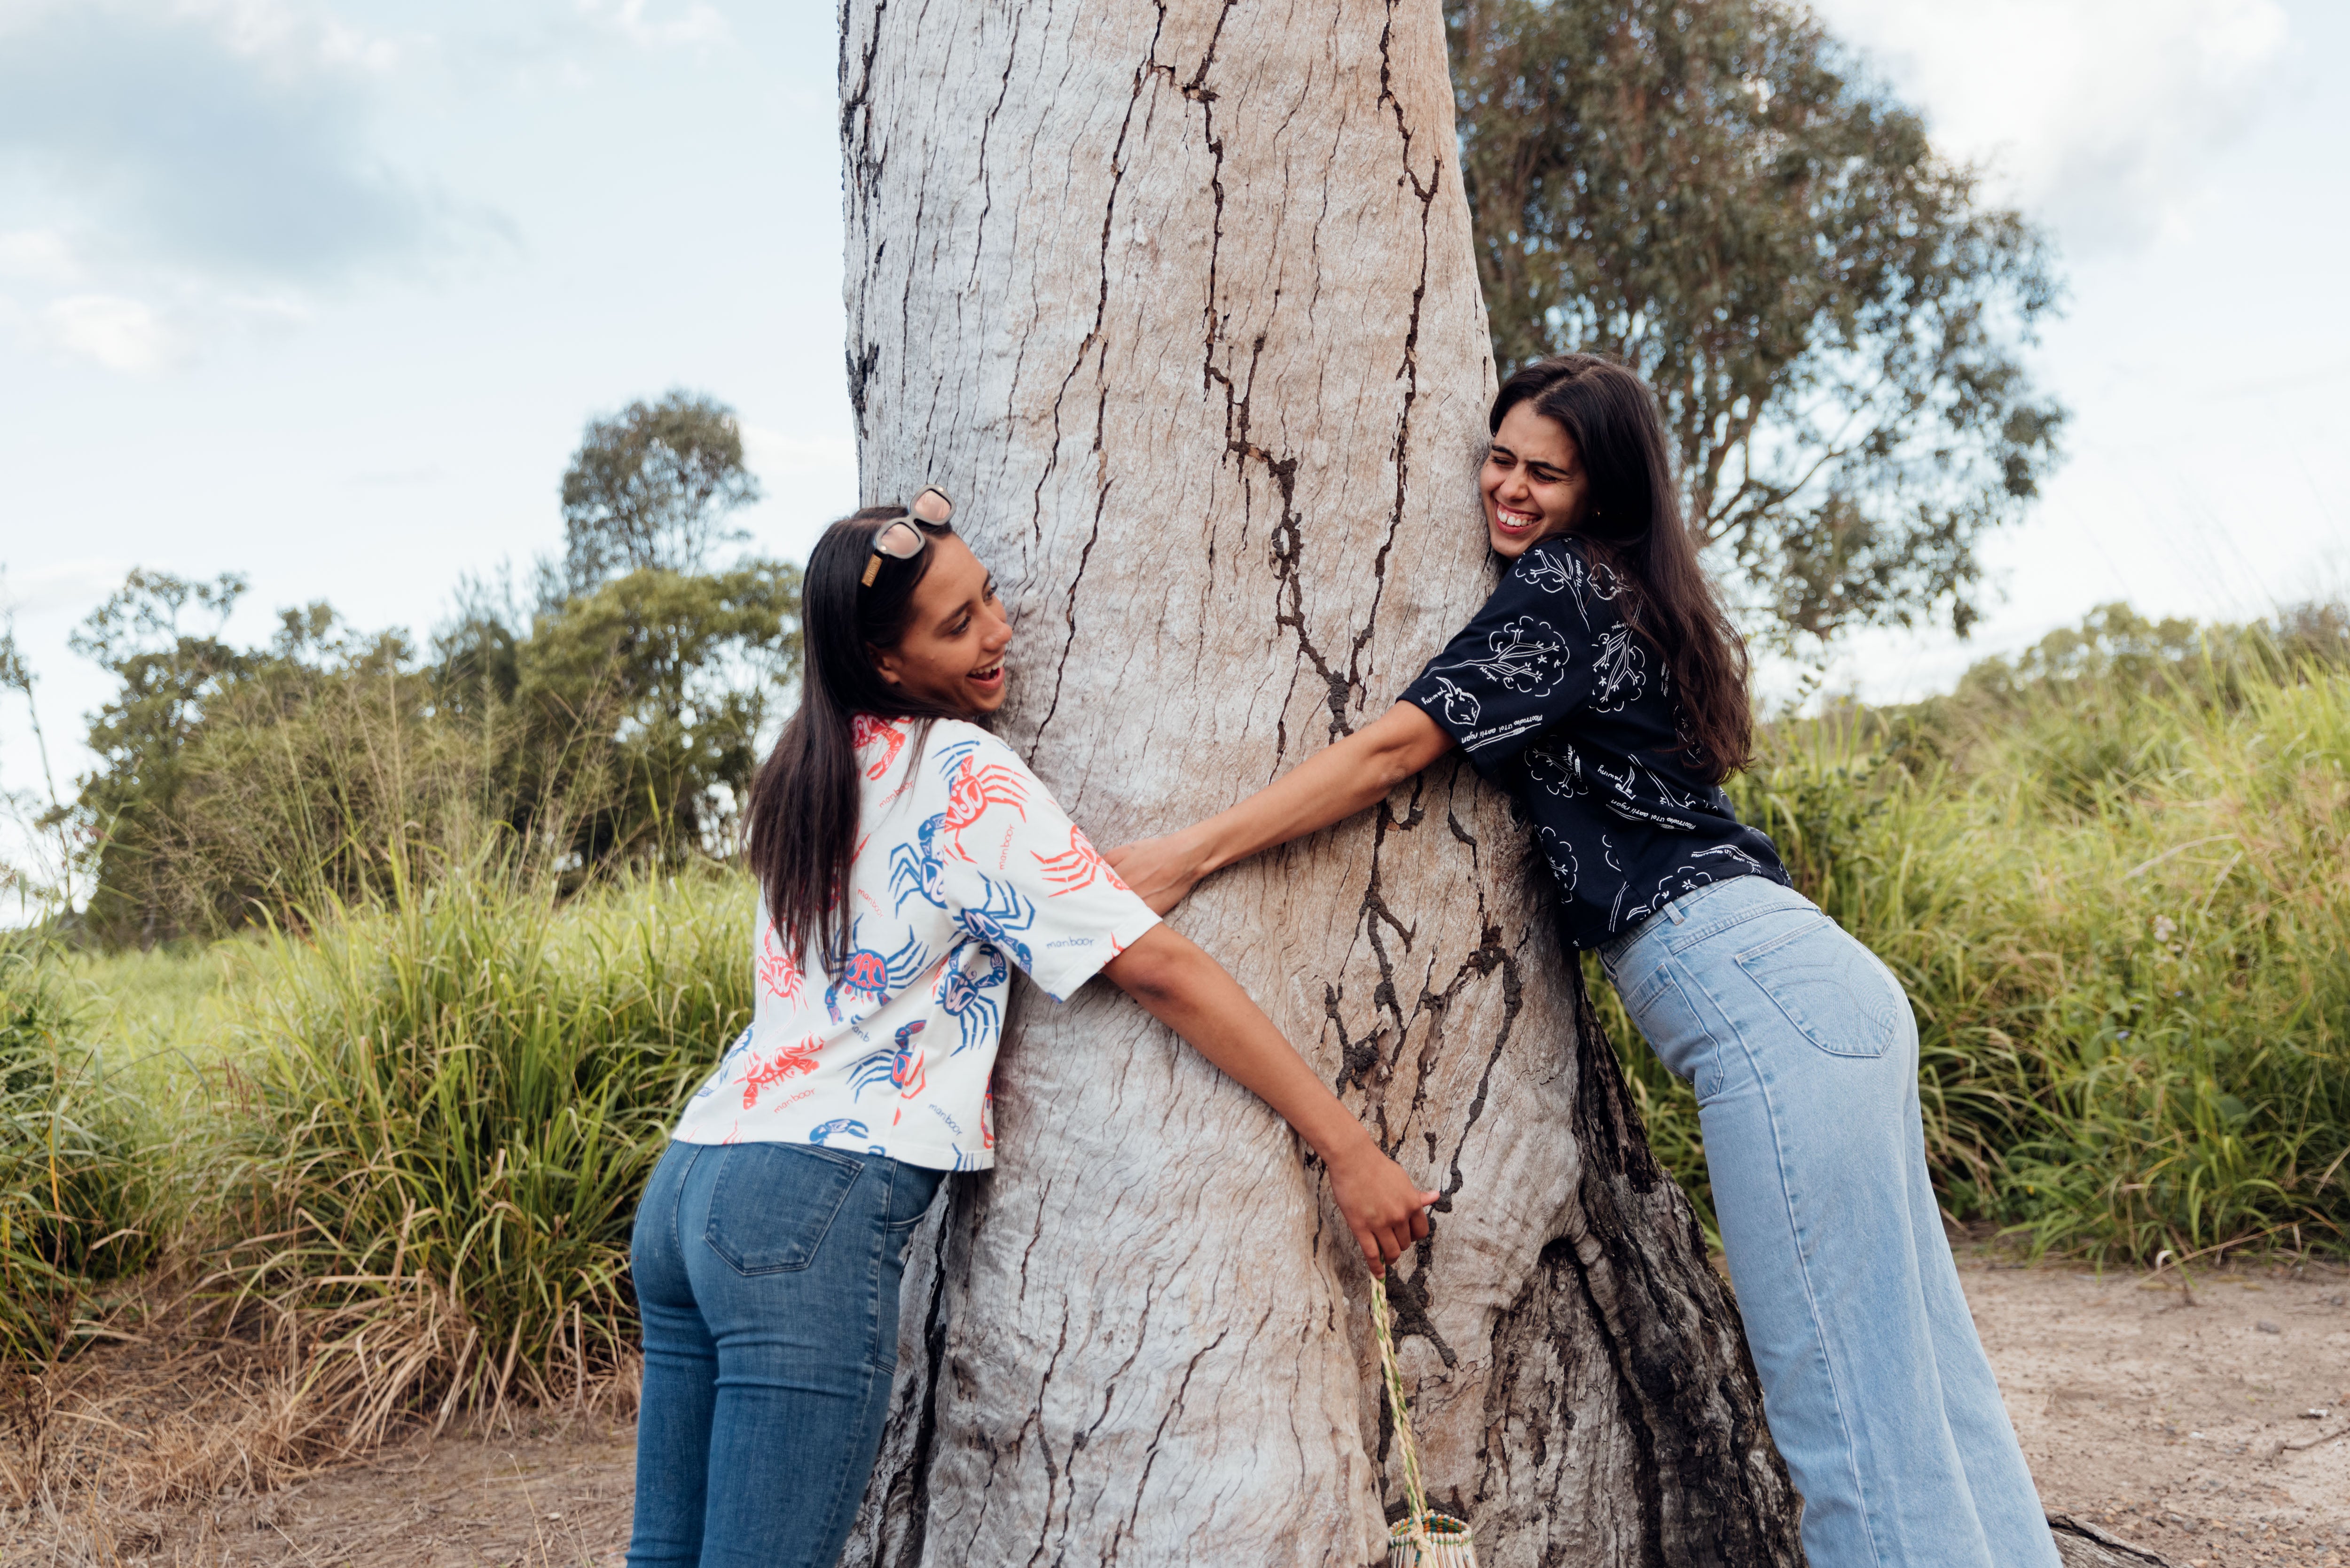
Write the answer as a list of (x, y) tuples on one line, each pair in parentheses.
[(964, 746)]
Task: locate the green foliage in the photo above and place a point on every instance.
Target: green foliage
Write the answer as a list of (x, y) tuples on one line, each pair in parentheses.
[(2110, 875), (624, 726), (615, 727), (648, 490), (76, 1193), (442, 1114), (1829, 313), (169, 672)]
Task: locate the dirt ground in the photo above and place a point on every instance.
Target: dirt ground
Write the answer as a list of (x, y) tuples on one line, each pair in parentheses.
[(2186, 1421), (2210, 1424)]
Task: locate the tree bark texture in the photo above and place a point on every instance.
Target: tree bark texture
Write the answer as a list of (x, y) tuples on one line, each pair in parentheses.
[(1177, 300)]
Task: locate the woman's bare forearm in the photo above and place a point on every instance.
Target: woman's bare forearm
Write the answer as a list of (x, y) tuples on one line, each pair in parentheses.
[(1178, 984), (1344, 778)]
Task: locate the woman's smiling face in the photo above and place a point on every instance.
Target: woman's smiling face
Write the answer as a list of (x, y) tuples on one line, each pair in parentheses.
[(951, 656), (1534, 483)]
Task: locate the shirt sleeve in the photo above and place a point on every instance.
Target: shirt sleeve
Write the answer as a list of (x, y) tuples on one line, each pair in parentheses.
[(1025, 879), (1522, 663)]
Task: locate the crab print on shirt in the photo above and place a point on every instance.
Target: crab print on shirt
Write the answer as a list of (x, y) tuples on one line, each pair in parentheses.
[(1556, 697), (966, 870)]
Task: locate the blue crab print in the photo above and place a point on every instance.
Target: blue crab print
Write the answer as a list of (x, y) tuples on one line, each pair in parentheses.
[(898, 1065), (995, 921), (869, 974), (963, 997), (923, 871), (839, 1127)]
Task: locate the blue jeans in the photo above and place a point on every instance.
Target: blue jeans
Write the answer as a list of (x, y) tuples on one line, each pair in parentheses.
[(767, 1276), (1804, 1056)]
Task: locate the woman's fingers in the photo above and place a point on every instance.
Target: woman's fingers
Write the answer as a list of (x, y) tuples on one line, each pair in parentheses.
[(1374, 1255), (1152, 868)]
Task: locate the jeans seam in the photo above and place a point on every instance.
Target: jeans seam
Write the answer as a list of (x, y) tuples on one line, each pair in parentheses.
[(677, 1204), (840, 1488), (1821, 1336)]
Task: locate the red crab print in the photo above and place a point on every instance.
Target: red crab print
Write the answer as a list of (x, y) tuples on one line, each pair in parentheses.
[(786, 1062), (1078, 865), (971, 791), (863, 730), (778, 971)]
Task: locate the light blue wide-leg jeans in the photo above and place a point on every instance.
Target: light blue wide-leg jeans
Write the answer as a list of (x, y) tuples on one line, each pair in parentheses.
[(1803, 1054)]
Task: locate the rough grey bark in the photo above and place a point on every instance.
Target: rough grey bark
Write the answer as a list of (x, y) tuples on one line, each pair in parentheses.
[(1177, 300)]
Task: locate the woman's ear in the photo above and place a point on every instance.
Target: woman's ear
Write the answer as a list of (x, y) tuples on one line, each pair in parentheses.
[(885, 664)]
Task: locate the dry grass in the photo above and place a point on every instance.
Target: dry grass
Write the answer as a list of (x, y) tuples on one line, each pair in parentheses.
[(168, 1440)]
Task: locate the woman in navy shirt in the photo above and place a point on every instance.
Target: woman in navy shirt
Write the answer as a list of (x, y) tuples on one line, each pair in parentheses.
[(1604, 687)]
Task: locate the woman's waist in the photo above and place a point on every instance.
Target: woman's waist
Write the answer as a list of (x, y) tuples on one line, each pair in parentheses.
[(1689, 916)]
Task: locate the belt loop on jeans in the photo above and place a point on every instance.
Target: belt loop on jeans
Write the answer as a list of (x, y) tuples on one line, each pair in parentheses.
[(1674, 911)]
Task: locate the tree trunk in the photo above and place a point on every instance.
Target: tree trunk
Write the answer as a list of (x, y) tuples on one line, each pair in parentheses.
[(1177, 300)]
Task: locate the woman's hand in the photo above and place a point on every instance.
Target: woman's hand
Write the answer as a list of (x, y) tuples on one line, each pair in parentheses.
[(1329, 786), (1384, 1207), (1161, 871)]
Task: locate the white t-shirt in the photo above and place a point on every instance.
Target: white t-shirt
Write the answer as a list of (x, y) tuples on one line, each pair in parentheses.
[(964, 869)]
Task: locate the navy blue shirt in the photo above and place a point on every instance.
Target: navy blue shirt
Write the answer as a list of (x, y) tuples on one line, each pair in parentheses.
[(1557, 701)]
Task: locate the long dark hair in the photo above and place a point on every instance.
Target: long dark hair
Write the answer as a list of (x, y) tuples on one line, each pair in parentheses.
[(801, 821), (1634, 527)]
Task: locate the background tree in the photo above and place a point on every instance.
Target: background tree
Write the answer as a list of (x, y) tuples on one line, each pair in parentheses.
[(617, 724), (625, 720), (649, 489), (160, 636), (1179, 301), (1831, 315)]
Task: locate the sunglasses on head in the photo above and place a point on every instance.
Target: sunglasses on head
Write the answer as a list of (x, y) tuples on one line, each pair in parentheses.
[(902, 540)]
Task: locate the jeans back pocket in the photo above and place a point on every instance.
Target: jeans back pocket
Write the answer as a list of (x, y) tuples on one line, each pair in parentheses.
[(771, 1204), (1830, 987)]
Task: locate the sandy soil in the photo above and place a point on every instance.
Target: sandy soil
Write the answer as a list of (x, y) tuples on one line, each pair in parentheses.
[(2212, 1425), (2180, 1420)]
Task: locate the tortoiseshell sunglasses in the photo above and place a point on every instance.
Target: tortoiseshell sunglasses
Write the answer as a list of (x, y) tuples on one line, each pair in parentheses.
[(901, 540)]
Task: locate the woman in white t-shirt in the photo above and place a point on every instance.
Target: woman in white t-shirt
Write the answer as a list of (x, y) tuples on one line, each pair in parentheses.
[(910, 861)]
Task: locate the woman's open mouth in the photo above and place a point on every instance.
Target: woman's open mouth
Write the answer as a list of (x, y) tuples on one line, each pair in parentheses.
[(991, 675), (1509, 520)]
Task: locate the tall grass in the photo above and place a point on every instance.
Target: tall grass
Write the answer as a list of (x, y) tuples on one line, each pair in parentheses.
[(439, 1121), (76, 1189), (2119, 901)]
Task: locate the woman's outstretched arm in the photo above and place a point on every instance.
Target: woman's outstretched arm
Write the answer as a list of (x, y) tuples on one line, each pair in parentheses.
[(1183, 987), (1331, 785)]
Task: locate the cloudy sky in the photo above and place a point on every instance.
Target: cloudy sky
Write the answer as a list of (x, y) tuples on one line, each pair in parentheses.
[(321, 291)]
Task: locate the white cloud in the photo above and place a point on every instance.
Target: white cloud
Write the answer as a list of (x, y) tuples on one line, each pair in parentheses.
[(2099, 116), (296, 39), (119, 334), (38, 255), (698, 23), (228, 140)]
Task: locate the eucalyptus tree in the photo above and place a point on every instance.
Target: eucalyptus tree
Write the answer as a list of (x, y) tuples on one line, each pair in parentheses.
[(1179, 301)]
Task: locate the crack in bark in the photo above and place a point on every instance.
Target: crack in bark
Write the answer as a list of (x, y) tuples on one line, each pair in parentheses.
[(1093, 338), (1036, 1419), (1150, 1455), (1109, 1391), (1069, 606)]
